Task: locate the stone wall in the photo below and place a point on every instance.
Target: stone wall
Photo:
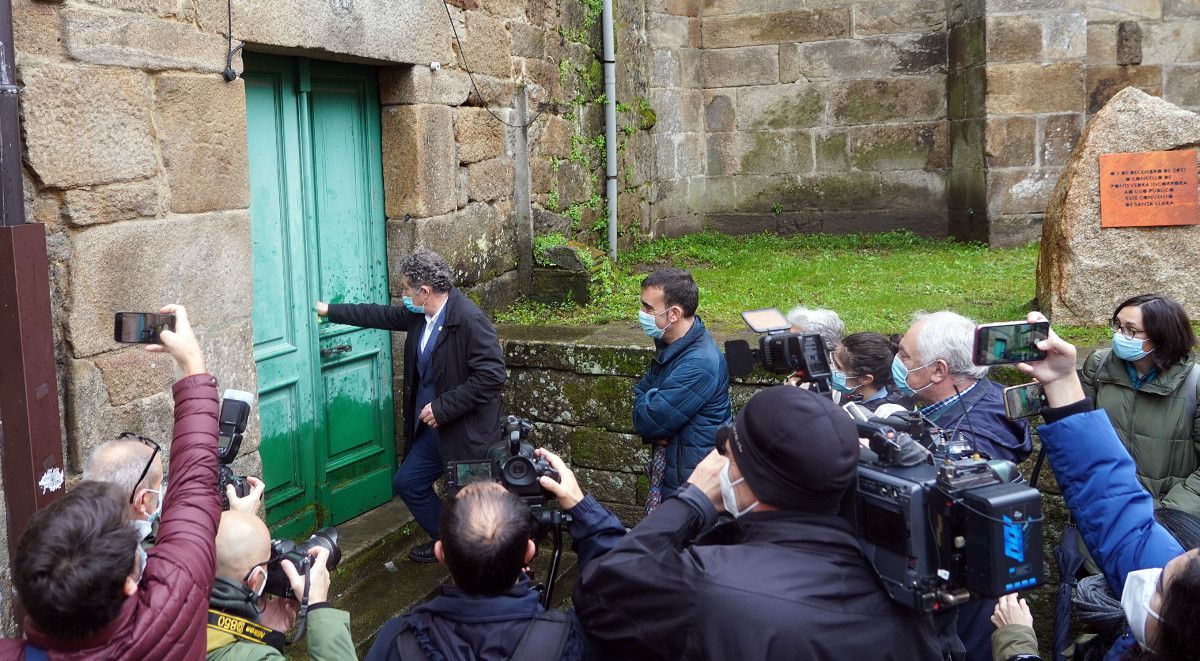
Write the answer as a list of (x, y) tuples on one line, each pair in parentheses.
[(1032, 73), (798, 117), (136, 155)]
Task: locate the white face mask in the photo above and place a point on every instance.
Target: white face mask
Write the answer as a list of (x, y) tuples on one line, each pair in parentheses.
[(1140, 587), (728, 497)]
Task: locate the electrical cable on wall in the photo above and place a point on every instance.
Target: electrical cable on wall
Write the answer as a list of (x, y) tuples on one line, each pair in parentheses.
[(230, 51), (463, 56)]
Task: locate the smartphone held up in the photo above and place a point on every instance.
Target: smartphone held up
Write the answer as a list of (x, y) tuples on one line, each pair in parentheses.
[(1009, 342), (141, 327)]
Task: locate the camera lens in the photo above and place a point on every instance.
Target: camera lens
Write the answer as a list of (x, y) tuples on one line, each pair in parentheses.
[(518, 471)]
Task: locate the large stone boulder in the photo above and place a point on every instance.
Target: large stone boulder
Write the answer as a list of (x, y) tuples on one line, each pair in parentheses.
[(1085, 271)]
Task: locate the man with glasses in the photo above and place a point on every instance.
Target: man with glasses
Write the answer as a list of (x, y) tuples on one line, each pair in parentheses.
[(77, 570), (786, 579), (134, 463), (251, 625), (684, 397)]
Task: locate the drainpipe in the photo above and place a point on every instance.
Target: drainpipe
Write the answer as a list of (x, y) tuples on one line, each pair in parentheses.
[(610, 125), (30, 437)]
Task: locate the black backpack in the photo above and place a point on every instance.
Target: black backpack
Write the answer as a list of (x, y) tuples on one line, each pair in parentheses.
[(545, 638)]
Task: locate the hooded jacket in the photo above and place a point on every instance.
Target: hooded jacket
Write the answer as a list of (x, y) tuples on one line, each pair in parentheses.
[(167, 616)]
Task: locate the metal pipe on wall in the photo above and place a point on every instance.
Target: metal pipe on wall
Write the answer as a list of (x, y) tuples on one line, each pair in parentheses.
[(610, 124)]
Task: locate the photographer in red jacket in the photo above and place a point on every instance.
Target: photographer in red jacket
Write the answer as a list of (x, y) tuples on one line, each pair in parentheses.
[(77, 571)]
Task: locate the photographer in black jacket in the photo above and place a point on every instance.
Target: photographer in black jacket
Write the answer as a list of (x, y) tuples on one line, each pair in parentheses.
[(785, 579)]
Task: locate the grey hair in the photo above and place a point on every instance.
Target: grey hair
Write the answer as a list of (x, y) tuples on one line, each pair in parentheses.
[(426, 267), (950, 337), (120, 462), (825, 323)]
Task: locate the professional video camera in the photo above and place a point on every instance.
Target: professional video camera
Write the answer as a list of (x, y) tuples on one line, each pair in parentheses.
[(512, 463), (939, 528), (939, 524), (780, 351), (235, 413), (285, 549)]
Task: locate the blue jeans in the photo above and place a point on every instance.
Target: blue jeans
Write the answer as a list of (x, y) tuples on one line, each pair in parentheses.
[(421, 468)]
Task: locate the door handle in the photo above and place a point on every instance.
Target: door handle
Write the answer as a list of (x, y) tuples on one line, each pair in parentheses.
[(341, 348)]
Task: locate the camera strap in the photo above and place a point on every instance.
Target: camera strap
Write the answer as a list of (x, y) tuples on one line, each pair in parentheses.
[(245, 629), (302, 618)]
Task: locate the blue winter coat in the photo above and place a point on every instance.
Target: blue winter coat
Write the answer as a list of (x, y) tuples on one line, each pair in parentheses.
[(1114, 513), (684, 398)]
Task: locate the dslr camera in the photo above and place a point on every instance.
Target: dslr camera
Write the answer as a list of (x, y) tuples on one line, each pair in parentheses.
[(232, 420), (285, 549)]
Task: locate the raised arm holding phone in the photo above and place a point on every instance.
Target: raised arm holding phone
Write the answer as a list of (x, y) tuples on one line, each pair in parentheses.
[(1158, 582)]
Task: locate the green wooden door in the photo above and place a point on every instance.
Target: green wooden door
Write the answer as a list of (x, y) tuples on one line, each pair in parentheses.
[(317, 222)]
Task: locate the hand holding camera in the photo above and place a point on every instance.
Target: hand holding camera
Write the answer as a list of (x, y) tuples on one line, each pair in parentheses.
[(318, 575), (249, 502), (566, 488)]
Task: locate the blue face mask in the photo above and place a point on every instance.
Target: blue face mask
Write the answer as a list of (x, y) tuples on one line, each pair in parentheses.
[(900, 376), (648, 326), (1128, 348), (415, 309), (838, 380)]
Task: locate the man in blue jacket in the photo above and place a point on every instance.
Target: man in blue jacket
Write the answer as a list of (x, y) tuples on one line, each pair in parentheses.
[(679, 404)]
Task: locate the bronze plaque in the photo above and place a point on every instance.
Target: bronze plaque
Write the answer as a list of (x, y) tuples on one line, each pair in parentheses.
[(1149, 189)]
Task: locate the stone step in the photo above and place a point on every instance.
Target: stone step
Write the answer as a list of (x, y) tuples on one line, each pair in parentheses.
[(373, 594)]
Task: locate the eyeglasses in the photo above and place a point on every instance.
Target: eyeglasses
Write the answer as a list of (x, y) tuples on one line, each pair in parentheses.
[(148, 442), (1128, 331)]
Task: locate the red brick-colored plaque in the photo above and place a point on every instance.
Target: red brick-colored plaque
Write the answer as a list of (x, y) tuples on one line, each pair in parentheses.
[(1149, 189)]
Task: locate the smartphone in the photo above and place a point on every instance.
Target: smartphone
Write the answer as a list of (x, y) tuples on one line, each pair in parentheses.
[(1024, 401), (141, 327), (1009, 342), (766, 320)]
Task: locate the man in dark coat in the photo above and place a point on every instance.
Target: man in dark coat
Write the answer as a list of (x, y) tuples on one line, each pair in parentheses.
[(935, 365), (684, 398), (453, 371), (786, 579), (77, 570)]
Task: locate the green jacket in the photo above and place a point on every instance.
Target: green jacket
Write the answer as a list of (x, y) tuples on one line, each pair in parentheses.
[(1013, 640), (1153, 425), (328, 636)]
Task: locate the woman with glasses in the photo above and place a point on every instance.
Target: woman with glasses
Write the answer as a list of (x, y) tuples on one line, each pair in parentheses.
[(1147, 383)]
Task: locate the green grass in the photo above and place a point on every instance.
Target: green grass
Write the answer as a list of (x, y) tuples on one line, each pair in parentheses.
[(875, 282)]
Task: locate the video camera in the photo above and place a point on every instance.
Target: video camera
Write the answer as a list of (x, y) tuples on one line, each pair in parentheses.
[(232, 420), (945, 528), (512, 463), (780, 351), (939, 524)]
